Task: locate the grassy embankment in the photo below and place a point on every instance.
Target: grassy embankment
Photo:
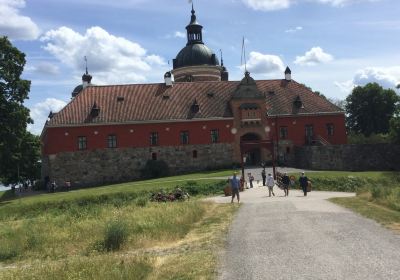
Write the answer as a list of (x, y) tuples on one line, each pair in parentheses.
[(114, 232), (378, 193)]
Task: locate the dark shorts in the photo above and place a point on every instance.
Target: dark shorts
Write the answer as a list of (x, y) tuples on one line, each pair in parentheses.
[(235, 192), (285, 187)]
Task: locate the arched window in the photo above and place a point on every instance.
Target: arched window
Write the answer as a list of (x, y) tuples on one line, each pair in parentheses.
[(194, 153)]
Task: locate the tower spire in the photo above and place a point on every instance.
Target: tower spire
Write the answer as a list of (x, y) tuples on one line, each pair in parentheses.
[(86, 78), (87, 73), (194, 30)]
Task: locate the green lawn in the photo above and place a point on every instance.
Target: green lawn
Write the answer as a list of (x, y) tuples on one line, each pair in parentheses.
[(124, 188), (66, 235)]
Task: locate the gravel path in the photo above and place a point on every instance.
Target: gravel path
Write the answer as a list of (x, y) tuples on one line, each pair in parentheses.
[(300, 237)]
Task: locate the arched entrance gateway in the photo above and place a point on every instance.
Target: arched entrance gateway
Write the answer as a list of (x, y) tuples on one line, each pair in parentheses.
[(252, 156), (252, 148)]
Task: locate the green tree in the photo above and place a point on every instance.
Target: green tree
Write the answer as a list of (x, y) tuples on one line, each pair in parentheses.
[(370, 108), (18, 148)]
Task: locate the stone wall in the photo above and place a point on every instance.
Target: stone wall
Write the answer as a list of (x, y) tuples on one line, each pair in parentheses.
[(349, 157), (102, 166)]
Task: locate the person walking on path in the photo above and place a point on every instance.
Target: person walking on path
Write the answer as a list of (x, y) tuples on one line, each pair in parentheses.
[(264, 176), (270, 184), (303, 183), (251, 179), (235, 188), (286, 182)]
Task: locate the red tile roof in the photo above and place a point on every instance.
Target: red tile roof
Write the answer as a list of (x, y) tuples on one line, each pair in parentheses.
[(156, 102)]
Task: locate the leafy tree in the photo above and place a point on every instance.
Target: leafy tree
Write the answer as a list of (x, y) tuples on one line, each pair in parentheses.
[(395, 129), (338, 102), (18, 148), (370, 108)]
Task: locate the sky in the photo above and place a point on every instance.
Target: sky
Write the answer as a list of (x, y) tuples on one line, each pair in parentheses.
[(330, 45)]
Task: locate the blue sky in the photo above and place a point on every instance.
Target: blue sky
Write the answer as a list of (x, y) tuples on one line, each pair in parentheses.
[(330, 45)]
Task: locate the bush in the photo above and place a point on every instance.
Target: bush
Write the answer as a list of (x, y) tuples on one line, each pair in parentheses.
[(155, 169), (141, 202), (115, 235)]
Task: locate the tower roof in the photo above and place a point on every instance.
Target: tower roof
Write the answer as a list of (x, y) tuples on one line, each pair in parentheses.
[(195, 52)]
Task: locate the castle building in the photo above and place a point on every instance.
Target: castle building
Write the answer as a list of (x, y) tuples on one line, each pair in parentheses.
[(197, 119)]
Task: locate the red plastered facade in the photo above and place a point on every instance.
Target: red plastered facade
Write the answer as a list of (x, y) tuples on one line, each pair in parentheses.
[(65, 139), (296, 128)]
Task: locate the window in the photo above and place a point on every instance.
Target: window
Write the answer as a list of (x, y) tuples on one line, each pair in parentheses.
[(309, 131), (154, 156), (112, 141), (330, 129), (214, 136), (82, 143), (154, 138), (184, 137), (283, 130), (194, 154)]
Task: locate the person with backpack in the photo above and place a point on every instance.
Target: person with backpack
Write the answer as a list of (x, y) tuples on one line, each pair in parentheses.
[(235, 185)]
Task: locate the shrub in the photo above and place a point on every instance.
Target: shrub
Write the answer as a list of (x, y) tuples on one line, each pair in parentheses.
[(115, 235), (141, 202), (155, 169), (8, 251)]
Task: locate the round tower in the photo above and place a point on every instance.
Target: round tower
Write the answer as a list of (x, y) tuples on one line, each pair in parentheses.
[(196, 62)]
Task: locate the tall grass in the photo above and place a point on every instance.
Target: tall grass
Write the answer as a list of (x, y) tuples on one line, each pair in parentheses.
[(74, 232)]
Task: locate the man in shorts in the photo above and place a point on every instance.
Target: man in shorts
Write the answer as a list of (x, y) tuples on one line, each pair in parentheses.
[(270, 184), (235, 184)]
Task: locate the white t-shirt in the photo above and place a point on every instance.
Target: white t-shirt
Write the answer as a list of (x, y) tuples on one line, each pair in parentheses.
[(270, 181)]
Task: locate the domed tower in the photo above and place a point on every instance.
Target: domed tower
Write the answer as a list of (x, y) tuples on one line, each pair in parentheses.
[(196, 62)]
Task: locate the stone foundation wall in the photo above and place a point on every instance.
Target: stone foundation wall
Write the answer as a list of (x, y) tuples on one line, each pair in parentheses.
[(349, 157), (98, 167)]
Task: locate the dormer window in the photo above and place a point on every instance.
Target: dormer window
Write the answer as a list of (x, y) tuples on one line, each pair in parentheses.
[(94, 112), (298, 103), (195, 108)]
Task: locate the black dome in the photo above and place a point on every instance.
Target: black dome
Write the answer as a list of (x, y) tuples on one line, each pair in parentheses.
[(195, 54), (77, 90)]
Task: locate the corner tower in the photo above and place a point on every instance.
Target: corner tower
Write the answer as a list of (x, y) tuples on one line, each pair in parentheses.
[(196, 62)]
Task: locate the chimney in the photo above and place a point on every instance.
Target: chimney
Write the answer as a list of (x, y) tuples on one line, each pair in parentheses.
[(168, 79), (288, 74)]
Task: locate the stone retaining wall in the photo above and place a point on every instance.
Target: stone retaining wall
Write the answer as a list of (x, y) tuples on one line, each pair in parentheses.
[(349, 157), (98, 167)]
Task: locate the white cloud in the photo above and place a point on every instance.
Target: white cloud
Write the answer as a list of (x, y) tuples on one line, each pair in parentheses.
[(346, 86), (341, 3), (259, 63), (314, 56), (111, 59), (267, 5), (14, 25), (40, 112), (292, 30), (270, 5), (179, 34), (387, 77), (44, 68)]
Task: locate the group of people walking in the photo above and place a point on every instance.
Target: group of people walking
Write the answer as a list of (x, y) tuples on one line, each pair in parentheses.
[(269, 182)]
